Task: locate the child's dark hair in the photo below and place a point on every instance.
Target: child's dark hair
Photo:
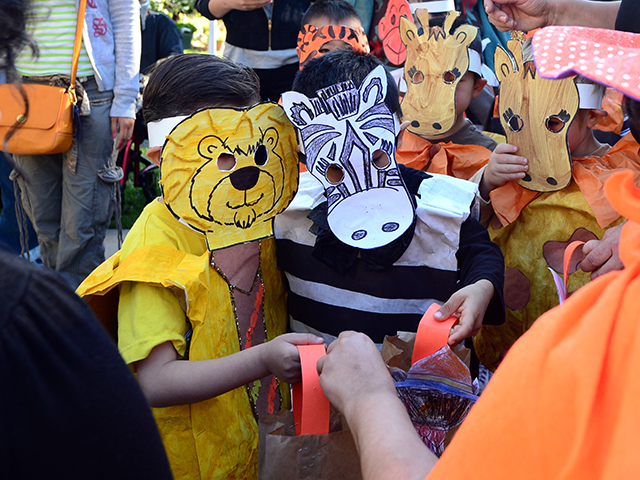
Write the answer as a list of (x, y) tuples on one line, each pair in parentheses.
[(14, 16), (337, 11), (339, 66), (632, 107), (183, 84)]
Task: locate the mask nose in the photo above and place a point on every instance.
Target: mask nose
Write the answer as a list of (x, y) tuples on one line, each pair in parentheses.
[(245, 178)]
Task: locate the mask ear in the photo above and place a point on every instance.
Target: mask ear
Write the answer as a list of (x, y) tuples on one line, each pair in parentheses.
[(464, 35), (408, 31), (298, 108), (270, 138), (210, 147), (373, 89), (503, 64)]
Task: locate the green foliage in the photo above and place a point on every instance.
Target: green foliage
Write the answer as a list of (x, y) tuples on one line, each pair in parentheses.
[(190, 26), (173, 7), (133, 203)]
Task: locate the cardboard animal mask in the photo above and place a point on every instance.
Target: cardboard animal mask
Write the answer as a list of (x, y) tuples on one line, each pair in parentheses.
[(389, 31), (349, 136), (311, 40), (436, 62), (227, 172), (536, 114)]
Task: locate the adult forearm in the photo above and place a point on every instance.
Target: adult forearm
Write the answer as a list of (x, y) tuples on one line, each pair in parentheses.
[(585, 13), (387, 442), (219, 8)]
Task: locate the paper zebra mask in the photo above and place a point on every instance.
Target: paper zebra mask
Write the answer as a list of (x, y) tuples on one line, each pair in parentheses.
[(536, 114), (227, 172), (349, 136), (436, 62)]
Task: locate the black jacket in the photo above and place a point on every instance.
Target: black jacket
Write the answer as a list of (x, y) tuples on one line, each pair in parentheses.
[(250, 29)]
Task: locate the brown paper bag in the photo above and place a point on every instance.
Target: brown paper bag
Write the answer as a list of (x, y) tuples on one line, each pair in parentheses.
[(285, 456)]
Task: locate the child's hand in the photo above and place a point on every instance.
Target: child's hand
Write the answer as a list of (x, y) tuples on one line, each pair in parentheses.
[(503, 166), (280, 355), (470, 303)]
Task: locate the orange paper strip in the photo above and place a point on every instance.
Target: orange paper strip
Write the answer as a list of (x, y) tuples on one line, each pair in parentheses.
[(568, 253), (432, 334), (310, 406)]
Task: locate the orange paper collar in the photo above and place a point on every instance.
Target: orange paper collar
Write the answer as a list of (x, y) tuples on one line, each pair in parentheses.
[(311, 39)]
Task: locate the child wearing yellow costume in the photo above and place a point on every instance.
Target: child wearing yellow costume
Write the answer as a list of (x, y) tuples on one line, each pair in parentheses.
[(533, 224), (196, 277)]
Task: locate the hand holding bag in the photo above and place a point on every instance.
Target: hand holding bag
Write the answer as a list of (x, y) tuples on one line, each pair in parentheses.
[(316, 445), (38, 119)]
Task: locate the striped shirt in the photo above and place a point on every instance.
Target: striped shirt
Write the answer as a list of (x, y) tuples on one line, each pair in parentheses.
[(449, 250), (54, 30)]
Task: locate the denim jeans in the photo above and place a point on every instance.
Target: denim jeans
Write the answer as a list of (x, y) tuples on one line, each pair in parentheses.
[(71, 211), (9, 230)]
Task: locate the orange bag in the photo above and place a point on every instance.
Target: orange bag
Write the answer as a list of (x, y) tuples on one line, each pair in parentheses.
[(38, 119)]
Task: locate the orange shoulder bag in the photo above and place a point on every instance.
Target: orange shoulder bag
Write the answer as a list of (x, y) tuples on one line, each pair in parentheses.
[(38, 119)]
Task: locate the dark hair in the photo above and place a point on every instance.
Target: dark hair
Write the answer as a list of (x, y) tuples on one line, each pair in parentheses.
[(461, 20), (14, 15), (339, 66), (632, 107), (184, 84), (337, 11)]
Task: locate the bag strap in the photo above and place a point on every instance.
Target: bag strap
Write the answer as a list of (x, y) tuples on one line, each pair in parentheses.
[(432, 334), (311, 408), (82, 7)]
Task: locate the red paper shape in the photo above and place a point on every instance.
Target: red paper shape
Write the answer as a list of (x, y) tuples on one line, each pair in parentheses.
[(432, 334), (389, 31), (311, 408)]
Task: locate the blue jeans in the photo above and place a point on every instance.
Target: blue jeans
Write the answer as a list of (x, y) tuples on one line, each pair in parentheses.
[(9, 231), (70, 211)]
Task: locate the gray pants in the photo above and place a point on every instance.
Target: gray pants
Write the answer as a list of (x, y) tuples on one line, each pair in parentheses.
[(70, 211)]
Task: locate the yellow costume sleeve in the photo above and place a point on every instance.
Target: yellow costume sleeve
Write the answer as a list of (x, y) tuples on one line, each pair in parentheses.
[(147, 317)]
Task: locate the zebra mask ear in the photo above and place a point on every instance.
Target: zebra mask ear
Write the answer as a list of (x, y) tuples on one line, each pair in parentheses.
[(348, 135)]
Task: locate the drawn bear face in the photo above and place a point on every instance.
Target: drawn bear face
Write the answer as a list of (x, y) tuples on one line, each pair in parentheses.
[(227, 172)]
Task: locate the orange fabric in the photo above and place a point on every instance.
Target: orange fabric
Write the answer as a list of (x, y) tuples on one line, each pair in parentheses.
[(563, 404), (460, 161), (590, 173)]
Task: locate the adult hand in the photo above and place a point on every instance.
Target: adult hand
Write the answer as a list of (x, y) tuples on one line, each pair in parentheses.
[(520, 14), (353, 370), (470, 303), (601, 256), (281, 356), (122, 128)]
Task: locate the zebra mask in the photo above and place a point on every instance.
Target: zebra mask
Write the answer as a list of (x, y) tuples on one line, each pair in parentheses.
[(348, 135)]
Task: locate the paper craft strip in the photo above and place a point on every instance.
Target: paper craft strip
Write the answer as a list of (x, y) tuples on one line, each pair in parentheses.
[(311, 408), (561, 284), (432, 334), (608, 57)]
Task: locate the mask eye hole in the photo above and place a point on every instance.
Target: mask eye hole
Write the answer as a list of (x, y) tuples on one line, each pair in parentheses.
[(381, 159), (226, 161), (261, 156), (416, 75), (449, 77), (555, 124), (334, 174)]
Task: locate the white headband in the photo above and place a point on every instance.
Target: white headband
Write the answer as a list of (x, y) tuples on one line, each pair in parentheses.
[(437, 6), (590, 95), (475, 62), (158, 131)]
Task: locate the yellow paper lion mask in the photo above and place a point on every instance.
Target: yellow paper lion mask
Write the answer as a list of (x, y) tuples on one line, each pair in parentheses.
[(227, 172)]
